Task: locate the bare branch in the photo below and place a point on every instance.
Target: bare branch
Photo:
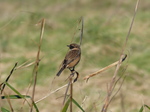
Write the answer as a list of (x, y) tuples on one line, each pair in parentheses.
[(105, 68), (108, 99), (35, 71)]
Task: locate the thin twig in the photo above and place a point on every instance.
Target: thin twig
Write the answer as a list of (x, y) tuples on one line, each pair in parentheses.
[(26, 94), (85, 98), (81, 36), (8, 100), (118, 79), (71, 94), (51, 93), (106, 103), (51, 85), (117, 90), (3, 86), (77, 27), (68, 85), (122, 101), (25, 65), (105, 68), (5, 25), (35, 71)]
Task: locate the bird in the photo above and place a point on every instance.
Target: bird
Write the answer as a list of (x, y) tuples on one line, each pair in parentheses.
[(71, 59)]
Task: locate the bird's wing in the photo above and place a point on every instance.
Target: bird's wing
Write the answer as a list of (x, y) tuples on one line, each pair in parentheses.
[(71, 56)]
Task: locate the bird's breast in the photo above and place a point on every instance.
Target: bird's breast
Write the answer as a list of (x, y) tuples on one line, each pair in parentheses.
[(73, 63)]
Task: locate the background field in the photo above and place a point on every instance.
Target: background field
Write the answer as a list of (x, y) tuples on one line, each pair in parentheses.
[(106, 24)]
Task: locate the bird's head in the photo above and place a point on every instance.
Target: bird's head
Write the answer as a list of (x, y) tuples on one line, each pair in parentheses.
[(73, 45)]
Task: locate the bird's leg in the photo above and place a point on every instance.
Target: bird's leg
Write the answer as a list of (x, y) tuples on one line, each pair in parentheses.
[(73, 72), (76, 77)]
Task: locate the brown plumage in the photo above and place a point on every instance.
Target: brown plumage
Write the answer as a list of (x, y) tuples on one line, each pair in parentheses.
[(72, 58)]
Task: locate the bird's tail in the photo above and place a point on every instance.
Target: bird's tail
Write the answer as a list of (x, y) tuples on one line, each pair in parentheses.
[(62, 68)]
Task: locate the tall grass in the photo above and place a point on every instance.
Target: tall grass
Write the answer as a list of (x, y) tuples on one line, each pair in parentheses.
[(99, 48)]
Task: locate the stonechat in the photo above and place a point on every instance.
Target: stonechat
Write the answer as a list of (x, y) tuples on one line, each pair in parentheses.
[(72, 58)]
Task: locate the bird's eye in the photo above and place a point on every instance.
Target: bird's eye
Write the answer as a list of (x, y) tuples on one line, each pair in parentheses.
[(71, 47)]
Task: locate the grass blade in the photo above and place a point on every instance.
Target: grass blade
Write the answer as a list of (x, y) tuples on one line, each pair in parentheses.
[(36, 67), (142, 108), (15, 97), (22, 96), (13, 89), (77, 105), (66, 106), (147, 106), (3, 85), (4, 110)]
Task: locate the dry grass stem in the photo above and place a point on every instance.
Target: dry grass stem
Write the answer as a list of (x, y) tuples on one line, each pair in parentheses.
[(122, 101), (71, 93), (105, 68), (26, 94), (85, 98), (13, 18), (117, 90), (8, 100), (118, 79), (3, 85), (77, 27), (68, 85), (35, 71), (52, 93), (25, 65), (81, 36), (110, 89)]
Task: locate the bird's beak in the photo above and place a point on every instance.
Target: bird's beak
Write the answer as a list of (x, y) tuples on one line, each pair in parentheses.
[(68, 45)]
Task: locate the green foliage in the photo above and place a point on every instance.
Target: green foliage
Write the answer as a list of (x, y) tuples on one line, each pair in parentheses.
[(19, 95), (67, 105), (4, 110), (142, 108), (106, 24), (74, 101)]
